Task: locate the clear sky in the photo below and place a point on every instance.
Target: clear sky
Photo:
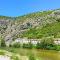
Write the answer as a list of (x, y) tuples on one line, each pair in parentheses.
[(21, 7)]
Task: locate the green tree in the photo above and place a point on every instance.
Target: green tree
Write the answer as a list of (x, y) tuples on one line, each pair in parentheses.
[(3, 44), (47, 43), (16, 45), (29, 45), (38, 45)]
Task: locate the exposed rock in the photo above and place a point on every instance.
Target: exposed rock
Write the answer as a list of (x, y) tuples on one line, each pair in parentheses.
[(14, 26)]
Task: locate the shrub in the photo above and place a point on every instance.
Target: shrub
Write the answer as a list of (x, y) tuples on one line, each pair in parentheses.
[(10, 45), (3, 43), (57, 47), (29, 45), (31, 57), (38, 45), (16, 45), (51, 47), (47, 43), (25, 45)]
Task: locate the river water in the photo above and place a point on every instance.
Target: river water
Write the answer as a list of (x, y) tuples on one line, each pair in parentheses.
[(41, 54)]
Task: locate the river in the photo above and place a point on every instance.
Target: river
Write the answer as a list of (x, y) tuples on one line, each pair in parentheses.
[(40, 54), (37, 53)]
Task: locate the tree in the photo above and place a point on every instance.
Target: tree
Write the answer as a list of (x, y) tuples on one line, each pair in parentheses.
[(38, 45), (3, 43), (29, 45), (16, 45), (47, 43)]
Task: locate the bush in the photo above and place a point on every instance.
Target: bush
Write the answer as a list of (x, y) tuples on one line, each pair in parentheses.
[(29, 45), (51, 47), (3, 43), (38, 46), (31, 57), (16, 45), (25, 45), (10, 45), (58, 48), (47, 43)]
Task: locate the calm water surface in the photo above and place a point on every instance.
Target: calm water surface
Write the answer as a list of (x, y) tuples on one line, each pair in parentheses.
[(41, 54)]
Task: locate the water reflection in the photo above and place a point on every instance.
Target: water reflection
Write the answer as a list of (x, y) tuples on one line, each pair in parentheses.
[(41, 54)]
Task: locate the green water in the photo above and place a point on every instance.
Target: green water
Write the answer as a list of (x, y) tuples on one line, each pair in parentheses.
[(38, 53)]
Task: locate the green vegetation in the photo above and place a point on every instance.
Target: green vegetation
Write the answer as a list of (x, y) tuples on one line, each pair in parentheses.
[(48, 30), (39, 25), (47, 25), (47, 43), (2, 53), (37, 54), (34, 15), (3, 43), (38, 46), (29, 45), (32, 57), (12, 55), (43, 25), (6, 18), (16, 45)]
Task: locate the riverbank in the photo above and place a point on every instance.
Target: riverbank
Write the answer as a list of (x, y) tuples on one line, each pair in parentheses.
[(45, 43), (33, 41)]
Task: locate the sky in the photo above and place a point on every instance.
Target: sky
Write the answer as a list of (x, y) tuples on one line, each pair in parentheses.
[(20, 7)]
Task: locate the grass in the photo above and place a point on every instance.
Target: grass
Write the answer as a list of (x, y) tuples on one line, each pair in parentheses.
[(12, 55), (2, 53)]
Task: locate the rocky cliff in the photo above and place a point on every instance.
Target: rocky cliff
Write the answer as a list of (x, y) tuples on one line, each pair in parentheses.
[(34, 25)]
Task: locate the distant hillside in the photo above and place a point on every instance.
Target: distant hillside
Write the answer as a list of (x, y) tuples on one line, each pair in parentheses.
[(46, 31), (34, 25)]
